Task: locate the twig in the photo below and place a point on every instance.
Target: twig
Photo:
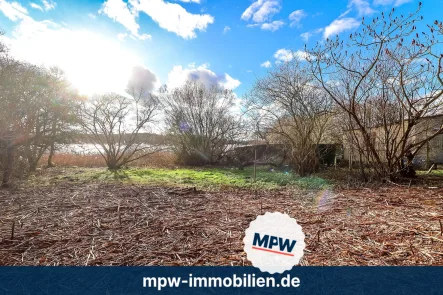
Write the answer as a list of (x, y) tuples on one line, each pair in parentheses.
[(12, 230), (399, 185), (430, 169), (119, 215)]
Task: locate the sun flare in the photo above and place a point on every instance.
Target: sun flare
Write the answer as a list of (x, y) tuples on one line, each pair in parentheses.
[(94, 63)]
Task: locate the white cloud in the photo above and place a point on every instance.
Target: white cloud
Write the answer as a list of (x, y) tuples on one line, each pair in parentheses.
[(173, 17), (45, 5), (285, 55), (306, 35), (267, 10), (122, 36), (340, 25), (391, 2), (302, 55), (119, 12), (226, 30), (261, 13), (179, 75), (343, 23), (35, 6), (274, 26), (13, 10), (143, 37), (345, 13), (296, 16), (49, 4), (253, 25), (266, 64), (261, 10), (362, 6), (229, 82), (92, 62), (144, 78), (92, 16), (190, 1)]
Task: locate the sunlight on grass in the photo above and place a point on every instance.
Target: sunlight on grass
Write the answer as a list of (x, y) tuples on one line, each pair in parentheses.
[(213, 178)]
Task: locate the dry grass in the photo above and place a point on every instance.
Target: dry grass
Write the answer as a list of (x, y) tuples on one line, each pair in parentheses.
[(96, 223), (76, 160), (160, 159)]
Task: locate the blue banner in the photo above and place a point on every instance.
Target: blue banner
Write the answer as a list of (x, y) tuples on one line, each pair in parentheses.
[(220, 280)]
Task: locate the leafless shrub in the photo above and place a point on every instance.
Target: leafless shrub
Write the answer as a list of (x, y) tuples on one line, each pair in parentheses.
[(201, 125), (387, 80), (291, 110), (112, 122)]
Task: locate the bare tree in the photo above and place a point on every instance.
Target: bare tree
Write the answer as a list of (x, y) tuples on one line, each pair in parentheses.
[(201, 124), (42, 112), (113, 122), (20, 102), (63, 110), (38, 117), (290, 110), (30, 103), (387, 80), (39, 109), (51, 113)]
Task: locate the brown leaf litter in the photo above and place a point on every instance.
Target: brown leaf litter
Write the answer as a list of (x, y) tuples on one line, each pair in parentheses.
[(121, 224)]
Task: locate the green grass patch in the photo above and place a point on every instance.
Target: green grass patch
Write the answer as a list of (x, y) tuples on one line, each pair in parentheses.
[(213, 178), (433, 172)]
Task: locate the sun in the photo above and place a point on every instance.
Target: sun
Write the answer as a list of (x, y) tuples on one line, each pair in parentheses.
[(93, 61), (102, 66)]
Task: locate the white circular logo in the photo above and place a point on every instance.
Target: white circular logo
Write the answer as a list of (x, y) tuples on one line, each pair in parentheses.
[(274, 242)]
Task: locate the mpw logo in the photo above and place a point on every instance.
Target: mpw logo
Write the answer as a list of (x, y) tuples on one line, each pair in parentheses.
[(274, 242), (268, 243)]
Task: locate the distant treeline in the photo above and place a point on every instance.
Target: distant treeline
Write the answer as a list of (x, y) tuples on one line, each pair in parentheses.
[(148, 138)]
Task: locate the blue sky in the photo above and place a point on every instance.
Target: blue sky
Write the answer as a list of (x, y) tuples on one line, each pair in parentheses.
[(229, 42)]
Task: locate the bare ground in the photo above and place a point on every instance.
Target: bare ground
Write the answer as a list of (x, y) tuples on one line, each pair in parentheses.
[(93, 223)]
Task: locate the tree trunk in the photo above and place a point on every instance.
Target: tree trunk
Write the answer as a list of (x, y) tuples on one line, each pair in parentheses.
[(51, 155), (7, 171), (428, 161), (113, 164), (362, 170), (33, 166), (301, 170), (52, 149), (30, 156), (31, 160)]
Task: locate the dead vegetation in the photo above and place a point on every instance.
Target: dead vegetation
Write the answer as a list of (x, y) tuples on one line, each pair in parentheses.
[(93, 223), (163, 159)]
